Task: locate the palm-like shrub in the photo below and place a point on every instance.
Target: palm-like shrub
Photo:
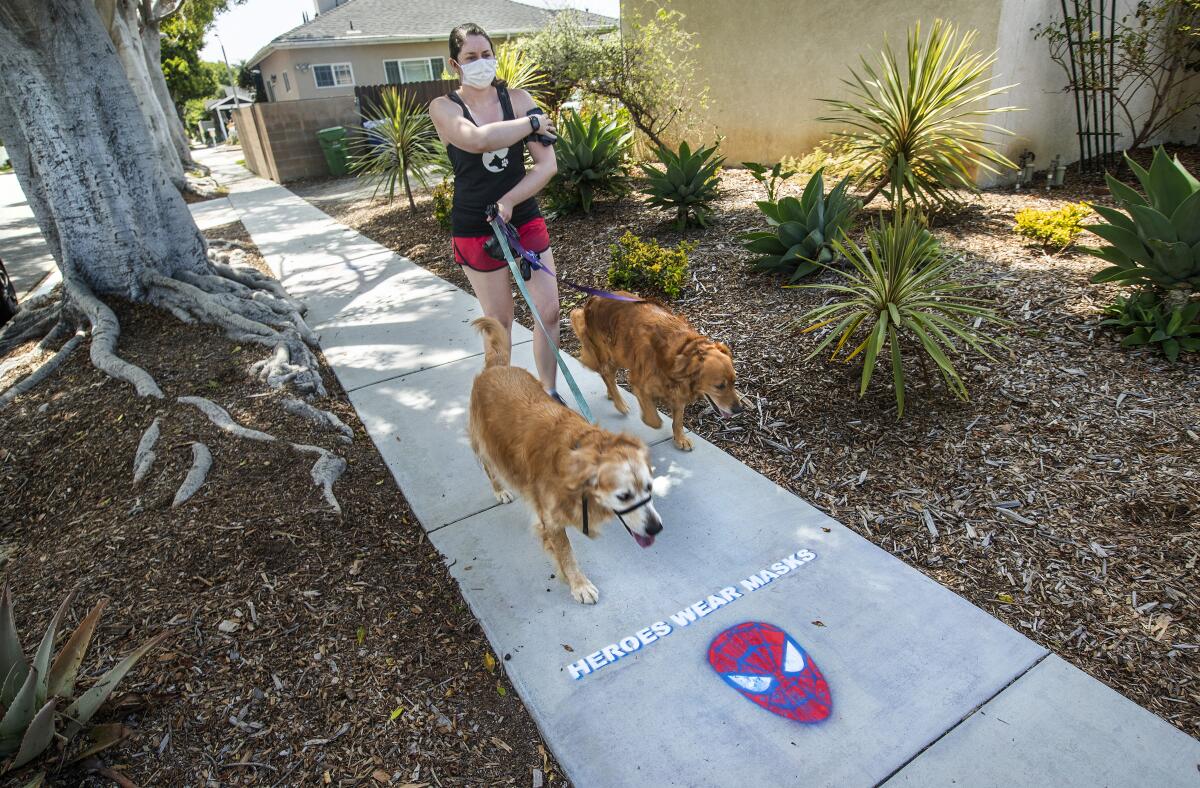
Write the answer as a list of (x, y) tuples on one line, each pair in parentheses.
[(402, 147), (592, 158), (901, 291), (803, 231), (1156, 241), (520, 71), (32, 693), (916, 125), (687, 184)]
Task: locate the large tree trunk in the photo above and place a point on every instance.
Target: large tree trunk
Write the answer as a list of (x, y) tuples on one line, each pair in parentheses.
[(123, 20), (80, 148), (152, 16)]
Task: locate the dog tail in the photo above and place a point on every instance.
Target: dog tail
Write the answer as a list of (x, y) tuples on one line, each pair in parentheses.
[(496, 349)]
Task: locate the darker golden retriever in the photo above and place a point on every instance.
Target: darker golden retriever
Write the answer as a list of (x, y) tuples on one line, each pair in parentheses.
[(565, 468), (668, 361)]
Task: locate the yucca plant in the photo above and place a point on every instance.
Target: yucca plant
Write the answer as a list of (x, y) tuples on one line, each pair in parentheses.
[(1156, 242), (803, 230), (32, 693), (1148, 321), (900, 291), (916, 124), (687, 183), (403, 146), (592, 157), (520, 71)]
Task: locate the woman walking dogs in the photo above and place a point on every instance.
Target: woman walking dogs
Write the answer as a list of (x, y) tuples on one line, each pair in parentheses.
[(485, 126)]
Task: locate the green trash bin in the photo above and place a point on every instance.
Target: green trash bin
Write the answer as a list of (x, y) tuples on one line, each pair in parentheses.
[(334, 146)]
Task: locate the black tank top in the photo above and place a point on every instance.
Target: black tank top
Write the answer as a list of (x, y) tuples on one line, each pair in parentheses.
[(481, 179)]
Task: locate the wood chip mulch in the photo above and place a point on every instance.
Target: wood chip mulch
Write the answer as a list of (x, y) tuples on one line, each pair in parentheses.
[(1064, 498), (306, 649)]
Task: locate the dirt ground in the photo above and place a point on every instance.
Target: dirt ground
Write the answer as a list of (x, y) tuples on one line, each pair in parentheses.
[(306, 648), (1064, 498)]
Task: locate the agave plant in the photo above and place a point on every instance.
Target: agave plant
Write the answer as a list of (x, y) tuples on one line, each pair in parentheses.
[(1149, 321), (770, 177), (900, 291), (804, 229), (32, 693), (399, 145), (687, 183), (1156, 242), (916, 125), (592, 157)]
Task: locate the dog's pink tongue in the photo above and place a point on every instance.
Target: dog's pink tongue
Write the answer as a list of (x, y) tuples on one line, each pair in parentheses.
[(644, 541)]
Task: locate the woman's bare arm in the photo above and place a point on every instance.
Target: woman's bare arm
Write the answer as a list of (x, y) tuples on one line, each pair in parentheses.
[(545, 163), (456, 130)]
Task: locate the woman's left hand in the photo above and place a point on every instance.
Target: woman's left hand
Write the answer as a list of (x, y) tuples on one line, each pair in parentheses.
[(504, 210)]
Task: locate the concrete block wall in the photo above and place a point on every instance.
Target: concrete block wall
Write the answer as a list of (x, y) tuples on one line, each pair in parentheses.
[(280, 139)]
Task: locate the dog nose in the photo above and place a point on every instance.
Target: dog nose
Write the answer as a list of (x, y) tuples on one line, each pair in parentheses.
[(654, 526), (737, 407)]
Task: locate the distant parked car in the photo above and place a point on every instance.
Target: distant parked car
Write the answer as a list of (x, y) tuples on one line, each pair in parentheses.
[(8, 296)]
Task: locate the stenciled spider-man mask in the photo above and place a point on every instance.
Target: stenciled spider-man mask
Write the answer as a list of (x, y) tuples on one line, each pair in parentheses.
[(762, 662)]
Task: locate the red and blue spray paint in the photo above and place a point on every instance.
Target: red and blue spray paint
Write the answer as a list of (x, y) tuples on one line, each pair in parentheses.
[(764, 664)]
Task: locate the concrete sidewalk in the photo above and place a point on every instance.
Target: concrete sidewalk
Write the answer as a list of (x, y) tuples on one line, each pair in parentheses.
[(925, 688)]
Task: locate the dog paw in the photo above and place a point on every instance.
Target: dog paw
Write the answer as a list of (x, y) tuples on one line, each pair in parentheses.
[(621, 406), (585, 594), (683, 443), (652, 421), (503, 496)]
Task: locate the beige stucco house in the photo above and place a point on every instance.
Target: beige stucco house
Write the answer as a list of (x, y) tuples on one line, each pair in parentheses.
[(769, 62), (374, 42)]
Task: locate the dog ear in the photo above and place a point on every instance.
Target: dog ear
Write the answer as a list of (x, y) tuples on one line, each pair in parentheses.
[(721, 346), (582, 471)]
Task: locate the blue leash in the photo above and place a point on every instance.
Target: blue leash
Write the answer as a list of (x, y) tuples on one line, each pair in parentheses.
[(499, 226)]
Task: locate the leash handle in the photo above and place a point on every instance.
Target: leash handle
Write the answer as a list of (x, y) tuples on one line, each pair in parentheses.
[(498, 227)]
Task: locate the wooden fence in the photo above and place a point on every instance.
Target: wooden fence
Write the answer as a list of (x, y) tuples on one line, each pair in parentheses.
[(368, 97)]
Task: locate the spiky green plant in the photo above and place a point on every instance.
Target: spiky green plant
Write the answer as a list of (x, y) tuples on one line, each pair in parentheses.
[(592, 158), (901, 291), (1149, 321), (32, 693), (771, 177), (1156, 242), (916, 124), (803, 230), (687, 183), (520, 71), (402, 148)]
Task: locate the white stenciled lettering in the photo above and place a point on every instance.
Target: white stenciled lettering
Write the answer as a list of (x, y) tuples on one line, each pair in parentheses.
[(611, 652), (780, 568), (630, 644), (684, 617), (661, 628), (579, 669), (647, 636), (753, 583), (728, 593), (596, 661)]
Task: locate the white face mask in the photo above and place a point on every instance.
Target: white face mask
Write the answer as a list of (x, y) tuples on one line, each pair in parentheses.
[(478, 73)]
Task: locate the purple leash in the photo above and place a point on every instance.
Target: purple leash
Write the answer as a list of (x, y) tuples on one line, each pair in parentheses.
[(535, 262)]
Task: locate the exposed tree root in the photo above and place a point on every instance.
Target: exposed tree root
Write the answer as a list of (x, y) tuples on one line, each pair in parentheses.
[(33, 320), (203, 186), (105, 332), (220, 417), (325, 472), (143, 458), (201, 463), (322, 418), (41, 373)]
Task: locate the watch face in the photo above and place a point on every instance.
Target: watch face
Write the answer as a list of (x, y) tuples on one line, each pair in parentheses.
[(537, 124)]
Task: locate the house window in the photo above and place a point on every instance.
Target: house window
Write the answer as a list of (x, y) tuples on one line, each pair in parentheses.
[(420, 69), (333, 75), (287, 83)]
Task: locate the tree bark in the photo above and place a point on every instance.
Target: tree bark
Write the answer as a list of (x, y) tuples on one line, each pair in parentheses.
[(79, 147), (152, 16)]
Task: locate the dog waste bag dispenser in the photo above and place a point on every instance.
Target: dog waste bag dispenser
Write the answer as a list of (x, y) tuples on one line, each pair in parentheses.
[(333, 145)]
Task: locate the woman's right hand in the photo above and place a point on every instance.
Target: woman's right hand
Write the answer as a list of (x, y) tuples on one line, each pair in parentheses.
[(546, 126)]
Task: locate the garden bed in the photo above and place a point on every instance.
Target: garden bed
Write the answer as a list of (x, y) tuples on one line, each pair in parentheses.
[(307, 648), (1064, 498)]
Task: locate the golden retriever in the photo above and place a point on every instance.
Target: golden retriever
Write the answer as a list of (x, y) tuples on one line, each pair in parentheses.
[(570, 472), (667, 359)]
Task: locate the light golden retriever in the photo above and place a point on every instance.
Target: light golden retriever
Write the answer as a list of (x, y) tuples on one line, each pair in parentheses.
[(668, 361), (570, 472)]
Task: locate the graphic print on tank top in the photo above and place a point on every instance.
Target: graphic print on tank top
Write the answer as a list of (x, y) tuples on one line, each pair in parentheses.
[(496, 161)]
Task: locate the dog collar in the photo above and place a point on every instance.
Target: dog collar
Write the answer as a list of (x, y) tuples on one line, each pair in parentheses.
[(618, 512)]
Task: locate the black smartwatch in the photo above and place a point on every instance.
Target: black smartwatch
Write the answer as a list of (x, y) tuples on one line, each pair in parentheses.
[(535, 123)]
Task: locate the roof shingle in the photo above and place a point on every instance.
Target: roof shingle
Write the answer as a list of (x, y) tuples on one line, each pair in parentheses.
[(424, 18)]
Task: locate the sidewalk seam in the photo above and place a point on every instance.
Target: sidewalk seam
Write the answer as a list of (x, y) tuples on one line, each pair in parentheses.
[(965, 717)]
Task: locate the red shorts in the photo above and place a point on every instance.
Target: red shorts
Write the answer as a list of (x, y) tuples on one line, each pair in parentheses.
[(468, 251)]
